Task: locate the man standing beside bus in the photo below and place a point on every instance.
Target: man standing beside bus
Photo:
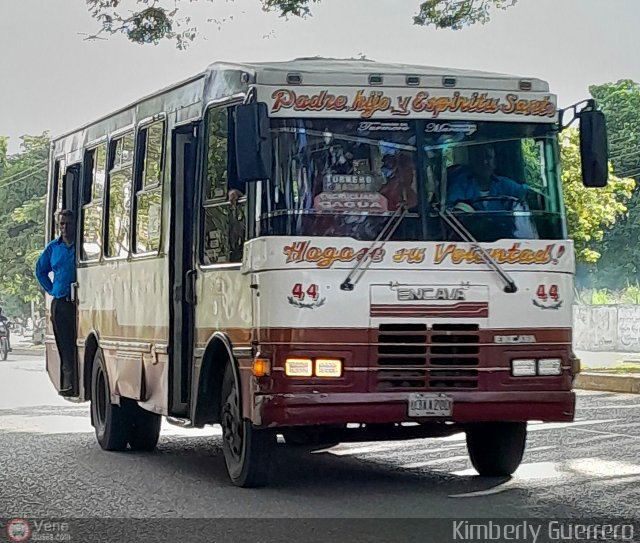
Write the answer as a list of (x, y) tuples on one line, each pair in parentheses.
[(59, 257)]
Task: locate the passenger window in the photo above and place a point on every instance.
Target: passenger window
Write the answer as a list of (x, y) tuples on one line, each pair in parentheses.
[(120, 183), (149, 189), (92, 198)]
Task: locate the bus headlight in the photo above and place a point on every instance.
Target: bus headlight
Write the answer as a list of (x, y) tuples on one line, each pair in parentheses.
[(523, 367), (298, 367), (549, 366), (328, 367)]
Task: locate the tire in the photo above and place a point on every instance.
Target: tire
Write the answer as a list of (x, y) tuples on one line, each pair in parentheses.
[(145, 427), (4, 349), (111, 422), (247, 450), (496, 448)]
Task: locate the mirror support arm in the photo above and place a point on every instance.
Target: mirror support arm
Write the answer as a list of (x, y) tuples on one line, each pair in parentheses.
[(589, 105)]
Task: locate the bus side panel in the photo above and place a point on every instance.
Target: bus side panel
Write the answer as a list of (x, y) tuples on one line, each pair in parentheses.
[(125, 304)]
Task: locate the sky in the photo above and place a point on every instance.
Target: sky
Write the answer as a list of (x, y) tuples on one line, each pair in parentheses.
[(52, 78)]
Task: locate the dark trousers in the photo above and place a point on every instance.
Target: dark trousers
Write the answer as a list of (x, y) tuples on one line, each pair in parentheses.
[(63, 318)]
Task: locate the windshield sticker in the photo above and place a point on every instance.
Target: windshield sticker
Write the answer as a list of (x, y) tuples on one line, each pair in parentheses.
[(351, 201), (383, 127), (451, 128), (350, 183), (425, 104)]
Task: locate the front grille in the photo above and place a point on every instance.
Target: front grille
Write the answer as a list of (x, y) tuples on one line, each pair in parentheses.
[(412, 357)]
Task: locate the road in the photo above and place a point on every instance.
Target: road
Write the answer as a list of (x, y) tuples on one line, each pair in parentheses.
[(52, 467)]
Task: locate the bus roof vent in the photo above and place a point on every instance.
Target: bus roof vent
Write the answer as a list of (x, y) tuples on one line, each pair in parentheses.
[(525, 85)]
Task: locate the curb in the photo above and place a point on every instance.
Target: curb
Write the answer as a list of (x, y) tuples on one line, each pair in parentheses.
[(27, 351), (608, 382)]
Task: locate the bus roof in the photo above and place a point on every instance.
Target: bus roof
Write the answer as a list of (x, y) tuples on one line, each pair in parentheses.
[(227, 78)]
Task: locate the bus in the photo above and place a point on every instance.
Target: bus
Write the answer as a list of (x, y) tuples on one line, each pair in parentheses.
[(320, 251)]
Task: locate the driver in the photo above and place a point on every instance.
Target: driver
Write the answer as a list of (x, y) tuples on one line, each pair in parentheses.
[(468, 185)]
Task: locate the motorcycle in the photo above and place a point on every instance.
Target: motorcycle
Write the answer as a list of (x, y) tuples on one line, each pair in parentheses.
[(4, 340)]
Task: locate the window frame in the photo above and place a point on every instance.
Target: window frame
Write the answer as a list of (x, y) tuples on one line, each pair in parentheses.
[(203, 203), (138, 182), (59, 165), (112, 143), (92, 147)]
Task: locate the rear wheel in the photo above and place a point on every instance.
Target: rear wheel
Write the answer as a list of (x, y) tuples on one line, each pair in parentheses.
[(247, 450), (496, 448), (110, 421)]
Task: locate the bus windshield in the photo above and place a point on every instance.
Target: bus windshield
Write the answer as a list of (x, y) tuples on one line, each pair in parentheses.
[(346, 178)]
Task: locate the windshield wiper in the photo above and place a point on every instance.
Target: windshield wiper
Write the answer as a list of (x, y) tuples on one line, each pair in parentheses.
[(385, 235), (461, 230)]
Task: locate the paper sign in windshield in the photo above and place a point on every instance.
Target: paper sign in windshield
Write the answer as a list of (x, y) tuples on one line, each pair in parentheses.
[(351, 201)]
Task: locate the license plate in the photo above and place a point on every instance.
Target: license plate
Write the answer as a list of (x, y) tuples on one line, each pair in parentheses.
[(430, 405)]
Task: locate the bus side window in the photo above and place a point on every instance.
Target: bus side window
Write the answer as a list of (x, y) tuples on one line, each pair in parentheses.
[(148, 199), (119, 208), (224, 207), (95, 161)]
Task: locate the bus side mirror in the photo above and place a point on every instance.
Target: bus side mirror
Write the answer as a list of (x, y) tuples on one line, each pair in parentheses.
[(594, 149), (253, 142)]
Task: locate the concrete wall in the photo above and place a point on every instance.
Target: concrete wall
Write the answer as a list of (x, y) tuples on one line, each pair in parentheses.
[(606, 328)]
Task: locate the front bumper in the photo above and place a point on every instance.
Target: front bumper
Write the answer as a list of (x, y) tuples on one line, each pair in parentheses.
[(308, 409)]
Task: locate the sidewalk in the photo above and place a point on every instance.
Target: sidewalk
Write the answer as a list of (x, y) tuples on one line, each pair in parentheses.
[(23, 345), (609, 371)]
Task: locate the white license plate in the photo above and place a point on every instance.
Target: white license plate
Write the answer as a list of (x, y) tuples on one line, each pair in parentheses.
[(423, 404)]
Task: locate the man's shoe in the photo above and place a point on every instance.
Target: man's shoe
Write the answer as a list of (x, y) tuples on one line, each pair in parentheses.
[(10, 350), (66, 391)]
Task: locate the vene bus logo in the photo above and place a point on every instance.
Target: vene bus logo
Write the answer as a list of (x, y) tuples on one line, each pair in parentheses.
[(18, 530)]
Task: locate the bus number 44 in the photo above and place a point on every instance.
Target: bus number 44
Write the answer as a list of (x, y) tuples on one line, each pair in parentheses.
[(552, 294), (298, 292)]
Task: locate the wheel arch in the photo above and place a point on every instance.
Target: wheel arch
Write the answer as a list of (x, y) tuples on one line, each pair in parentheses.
[(218, 353)]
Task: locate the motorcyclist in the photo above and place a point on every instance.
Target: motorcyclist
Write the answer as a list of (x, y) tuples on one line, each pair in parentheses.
[(5, 320)]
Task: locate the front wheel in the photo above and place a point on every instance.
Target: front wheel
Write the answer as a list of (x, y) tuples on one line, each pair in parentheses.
[(4, 348), (496, 448), (247, 450)]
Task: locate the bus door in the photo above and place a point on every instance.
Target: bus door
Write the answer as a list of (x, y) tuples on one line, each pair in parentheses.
[(182, 266), (64, 196)]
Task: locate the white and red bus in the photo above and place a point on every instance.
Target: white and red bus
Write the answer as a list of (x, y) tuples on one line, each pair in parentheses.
[(330, 250)]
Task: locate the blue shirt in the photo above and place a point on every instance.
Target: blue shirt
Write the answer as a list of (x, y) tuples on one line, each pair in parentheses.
[(464, 187), (61, 260)]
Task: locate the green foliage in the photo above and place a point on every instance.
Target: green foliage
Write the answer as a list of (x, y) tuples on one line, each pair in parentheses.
[(23, 183), (604, 296), (620, 261), (589, 212), (457, 14), (150, 21)]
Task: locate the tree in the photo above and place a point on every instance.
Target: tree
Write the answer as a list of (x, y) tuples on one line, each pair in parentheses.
[(150, 21), (620, 262), (590, 212), (22, 217)]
